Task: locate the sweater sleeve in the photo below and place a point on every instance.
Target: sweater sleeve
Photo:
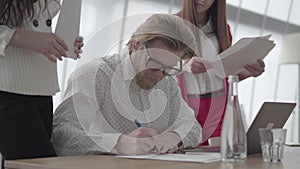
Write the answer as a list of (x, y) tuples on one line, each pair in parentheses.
[(79, 128), (70, 137), (6, 34)]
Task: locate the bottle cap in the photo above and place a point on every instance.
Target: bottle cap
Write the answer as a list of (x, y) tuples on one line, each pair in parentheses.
[(233, 78)]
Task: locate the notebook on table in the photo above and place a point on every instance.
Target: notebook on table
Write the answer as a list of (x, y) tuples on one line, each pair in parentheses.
[(273, 114)]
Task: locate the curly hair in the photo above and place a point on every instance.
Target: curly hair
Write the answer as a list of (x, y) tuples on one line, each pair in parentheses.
[(14, 12)]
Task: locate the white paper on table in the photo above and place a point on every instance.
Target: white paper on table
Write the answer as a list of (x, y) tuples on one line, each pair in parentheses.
[(199, 158), (68, 24), (245, 51)]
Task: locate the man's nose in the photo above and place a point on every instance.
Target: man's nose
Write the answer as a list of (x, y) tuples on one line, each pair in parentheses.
[(158, 74)]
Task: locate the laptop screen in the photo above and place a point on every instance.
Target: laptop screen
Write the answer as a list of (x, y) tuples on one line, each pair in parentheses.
[(272, 114)]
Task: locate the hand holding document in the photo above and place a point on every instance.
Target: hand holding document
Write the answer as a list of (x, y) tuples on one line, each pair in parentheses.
[(68, 24), (245, 51)]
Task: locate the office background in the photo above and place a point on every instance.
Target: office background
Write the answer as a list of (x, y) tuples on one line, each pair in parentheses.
[(246, 18)]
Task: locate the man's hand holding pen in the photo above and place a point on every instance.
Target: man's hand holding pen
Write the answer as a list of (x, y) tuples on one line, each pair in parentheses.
[(147, 140), (167, 142), (139, 141)]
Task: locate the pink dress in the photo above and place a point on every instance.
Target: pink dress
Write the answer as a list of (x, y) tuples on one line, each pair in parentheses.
[(209, 111)]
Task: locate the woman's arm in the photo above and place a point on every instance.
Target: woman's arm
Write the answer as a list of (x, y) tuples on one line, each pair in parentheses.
[(47, 44), (6, 34)]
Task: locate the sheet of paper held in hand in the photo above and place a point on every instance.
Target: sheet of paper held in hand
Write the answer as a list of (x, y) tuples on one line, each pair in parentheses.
[(245, 51), (68, 24), (199, 157)]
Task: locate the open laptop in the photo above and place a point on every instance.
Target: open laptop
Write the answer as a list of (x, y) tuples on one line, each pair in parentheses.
[(273, 114)]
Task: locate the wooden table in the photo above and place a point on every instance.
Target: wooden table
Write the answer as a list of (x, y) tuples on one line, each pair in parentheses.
[(291, 161)]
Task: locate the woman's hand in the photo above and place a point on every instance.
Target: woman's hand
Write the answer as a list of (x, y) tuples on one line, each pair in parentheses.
[(197, 65), (47, 44), (256, 69), (253, 70), (78, 45)]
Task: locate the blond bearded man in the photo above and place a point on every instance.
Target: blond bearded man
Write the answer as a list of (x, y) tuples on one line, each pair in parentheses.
[(104, 97)]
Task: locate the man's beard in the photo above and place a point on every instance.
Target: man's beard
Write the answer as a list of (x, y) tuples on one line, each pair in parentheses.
[(143, 82)]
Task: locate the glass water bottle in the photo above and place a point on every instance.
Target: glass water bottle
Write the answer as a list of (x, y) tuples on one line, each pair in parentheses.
[(233, 136)]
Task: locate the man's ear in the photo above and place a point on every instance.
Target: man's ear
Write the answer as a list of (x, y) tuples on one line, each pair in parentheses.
[(136, 44)]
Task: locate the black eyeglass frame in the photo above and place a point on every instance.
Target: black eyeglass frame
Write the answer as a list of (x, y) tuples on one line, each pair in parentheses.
[(149, 58)]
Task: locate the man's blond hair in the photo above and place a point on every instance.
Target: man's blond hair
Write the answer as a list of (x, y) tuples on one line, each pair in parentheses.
[(171, 30)]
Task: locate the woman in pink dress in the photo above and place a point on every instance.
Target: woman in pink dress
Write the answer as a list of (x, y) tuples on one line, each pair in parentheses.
[(203, 91)]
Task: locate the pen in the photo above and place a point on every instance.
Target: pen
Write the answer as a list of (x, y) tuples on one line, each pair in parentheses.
[(137, 123)]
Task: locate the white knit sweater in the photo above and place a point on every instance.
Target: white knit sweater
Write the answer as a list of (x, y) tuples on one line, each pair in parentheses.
[(23, 71)]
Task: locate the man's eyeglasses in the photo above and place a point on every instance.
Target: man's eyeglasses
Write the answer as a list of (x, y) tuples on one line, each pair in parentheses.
[(156, 65)]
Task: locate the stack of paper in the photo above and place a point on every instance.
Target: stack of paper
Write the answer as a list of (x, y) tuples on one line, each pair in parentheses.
[(245, 51), (199, 157)]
